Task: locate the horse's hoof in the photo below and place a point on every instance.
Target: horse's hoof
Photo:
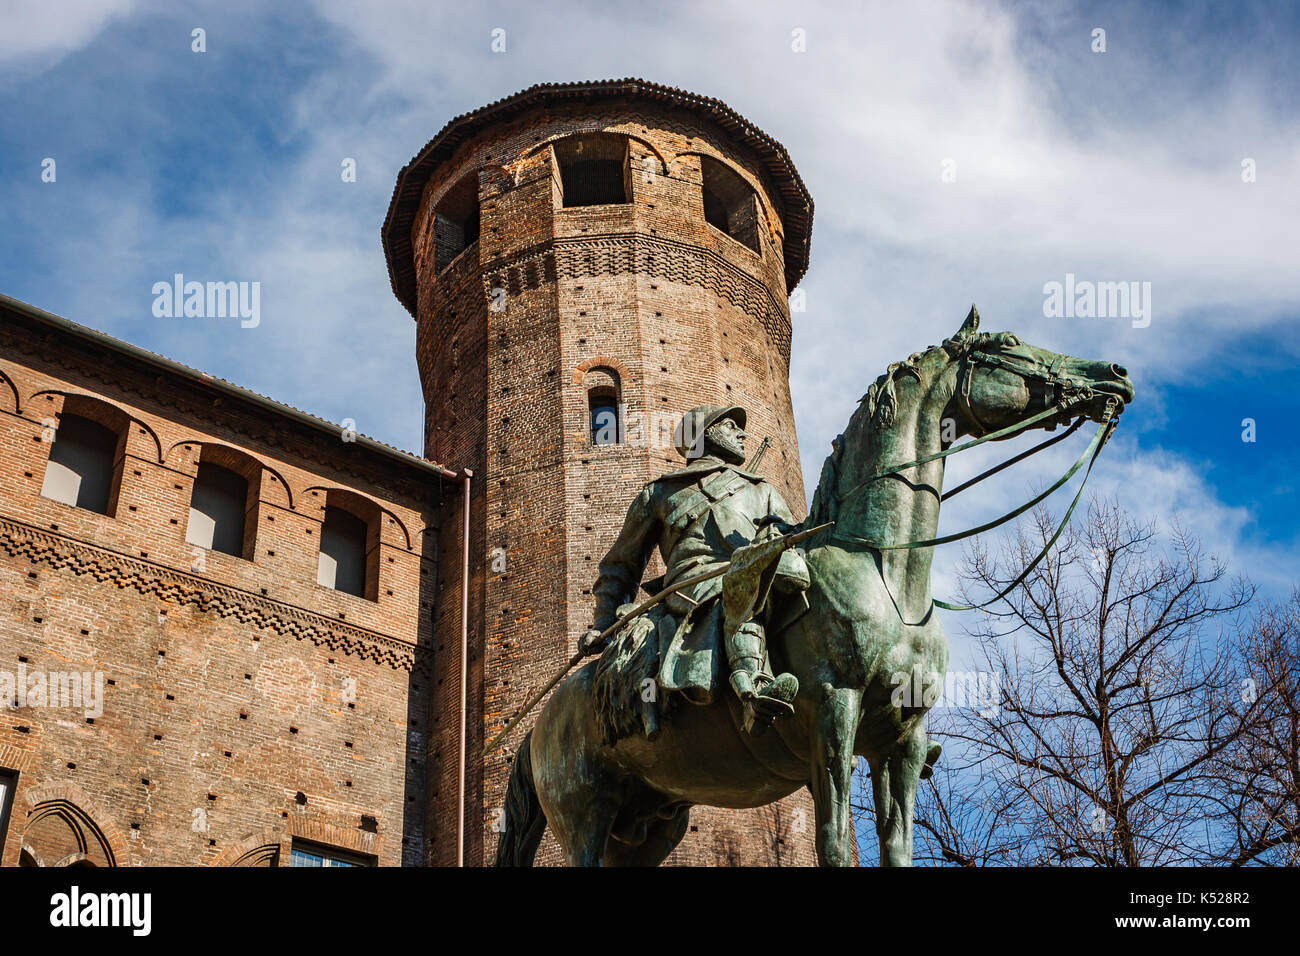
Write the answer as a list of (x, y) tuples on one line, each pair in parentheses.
[(931, 758)]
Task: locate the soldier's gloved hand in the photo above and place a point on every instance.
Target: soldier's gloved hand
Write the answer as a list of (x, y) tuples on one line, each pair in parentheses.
[(778, 524), (590, 642)]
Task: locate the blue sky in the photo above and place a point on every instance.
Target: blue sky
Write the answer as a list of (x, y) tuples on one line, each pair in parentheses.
[(1122, 165)]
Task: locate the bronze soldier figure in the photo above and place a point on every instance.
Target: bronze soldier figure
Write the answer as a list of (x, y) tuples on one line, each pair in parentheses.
[(697, 516)]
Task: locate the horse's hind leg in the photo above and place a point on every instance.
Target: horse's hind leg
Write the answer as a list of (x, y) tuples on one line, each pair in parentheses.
[(893, 784), (581, 799)]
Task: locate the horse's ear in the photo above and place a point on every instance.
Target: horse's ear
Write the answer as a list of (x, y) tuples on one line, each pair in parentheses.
[(972, 322)]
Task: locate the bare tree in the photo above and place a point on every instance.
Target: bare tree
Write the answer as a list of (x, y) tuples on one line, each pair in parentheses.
[(1120, 703), (1260, 772)]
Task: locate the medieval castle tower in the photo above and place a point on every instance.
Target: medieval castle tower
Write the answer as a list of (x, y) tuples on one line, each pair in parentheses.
[(232, 633), (585, 262)]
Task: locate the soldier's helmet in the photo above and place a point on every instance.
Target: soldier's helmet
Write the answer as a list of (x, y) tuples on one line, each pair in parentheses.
[(688, 438)]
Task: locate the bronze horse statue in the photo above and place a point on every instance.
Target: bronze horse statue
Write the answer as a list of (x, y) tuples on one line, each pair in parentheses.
[(869, 619)]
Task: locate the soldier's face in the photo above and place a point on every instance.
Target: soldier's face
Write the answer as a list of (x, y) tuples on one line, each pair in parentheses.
[(726, 440)]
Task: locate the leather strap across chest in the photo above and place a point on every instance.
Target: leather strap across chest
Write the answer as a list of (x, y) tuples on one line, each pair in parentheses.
[(695, 499)]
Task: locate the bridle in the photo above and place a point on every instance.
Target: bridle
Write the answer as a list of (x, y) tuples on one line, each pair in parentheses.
[(1063, 387), (1064, 394)]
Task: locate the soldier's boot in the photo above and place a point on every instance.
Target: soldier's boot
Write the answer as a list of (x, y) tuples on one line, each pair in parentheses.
[(765, 698)]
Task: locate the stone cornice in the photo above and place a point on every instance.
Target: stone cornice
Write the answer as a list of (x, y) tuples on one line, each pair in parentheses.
[(39, 546)]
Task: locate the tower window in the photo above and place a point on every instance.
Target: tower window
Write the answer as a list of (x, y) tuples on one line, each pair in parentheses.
[(218, 509), (83, 468), (604, 419), (349, 545), (593, 170), (456, 221), (730, 205), (603, 406)]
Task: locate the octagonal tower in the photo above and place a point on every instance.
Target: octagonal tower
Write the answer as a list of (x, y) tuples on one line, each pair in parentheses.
[(585, 262)]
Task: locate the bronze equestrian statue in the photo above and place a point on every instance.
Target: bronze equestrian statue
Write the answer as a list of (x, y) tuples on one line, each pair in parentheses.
[(813, 644)]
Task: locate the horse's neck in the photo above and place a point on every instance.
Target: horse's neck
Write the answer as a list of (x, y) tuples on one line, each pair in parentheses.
[(904, 507)]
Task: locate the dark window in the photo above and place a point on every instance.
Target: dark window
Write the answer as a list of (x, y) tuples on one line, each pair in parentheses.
[(314, 854), (456, 221), (729, 203), (342, 563), (80, 471), (603, 406), (604, 419), (8, 783), (593, 170), (218, 506)]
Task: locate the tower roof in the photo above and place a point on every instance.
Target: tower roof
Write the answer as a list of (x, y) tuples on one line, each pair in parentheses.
[(396, 234)]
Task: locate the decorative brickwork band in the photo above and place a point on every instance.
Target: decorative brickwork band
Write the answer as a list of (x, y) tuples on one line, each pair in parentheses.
[(43, 547), (652, 257)]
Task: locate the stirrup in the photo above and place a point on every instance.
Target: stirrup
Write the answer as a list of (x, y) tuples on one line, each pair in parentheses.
[(773, 702)]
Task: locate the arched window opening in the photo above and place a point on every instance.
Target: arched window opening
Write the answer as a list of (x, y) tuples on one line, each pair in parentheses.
[(456, 221), (593, 170), (85, 465), (224, 502), (218, 510), (349, 546), (604, 413), (730, 205)]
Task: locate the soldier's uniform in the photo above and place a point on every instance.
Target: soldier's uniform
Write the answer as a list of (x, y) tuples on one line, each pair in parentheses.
[(697, 516)]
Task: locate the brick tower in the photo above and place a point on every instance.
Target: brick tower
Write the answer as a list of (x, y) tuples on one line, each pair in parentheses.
[(584, 263)]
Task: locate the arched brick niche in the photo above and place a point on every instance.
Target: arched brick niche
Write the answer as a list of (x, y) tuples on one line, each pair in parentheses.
[(65, 826)]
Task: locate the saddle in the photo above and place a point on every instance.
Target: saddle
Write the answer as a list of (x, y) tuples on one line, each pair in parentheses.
[(627, 688)]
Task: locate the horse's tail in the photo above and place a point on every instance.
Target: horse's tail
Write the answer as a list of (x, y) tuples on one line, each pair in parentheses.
[(525, 821)]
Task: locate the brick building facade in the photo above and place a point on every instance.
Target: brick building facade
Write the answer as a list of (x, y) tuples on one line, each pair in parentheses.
[(247, 710), (275, 604)]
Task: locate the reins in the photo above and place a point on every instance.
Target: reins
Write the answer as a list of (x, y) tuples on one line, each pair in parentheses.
[(1072, 394)]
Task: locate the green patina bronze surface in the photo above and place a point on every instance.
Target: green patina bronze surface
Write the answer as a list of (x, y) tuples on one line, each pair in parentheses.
[(740, 690)]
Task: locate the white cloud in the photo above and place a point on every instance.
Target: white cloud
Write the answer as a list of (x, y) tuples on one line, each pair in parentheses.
[(36, 35)]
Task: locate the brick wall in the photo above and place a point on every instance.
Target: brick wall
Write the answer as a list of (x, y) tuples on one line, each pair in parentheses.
[(243, 704)]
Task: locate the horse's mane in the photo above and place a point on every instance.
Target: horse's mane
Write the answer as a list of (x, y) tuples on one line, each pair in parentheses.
[(880, 405)]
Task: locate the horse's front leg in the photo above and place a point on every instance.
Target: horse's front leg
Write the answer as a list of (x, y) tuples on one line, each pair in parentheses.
[(893, 784), (832, 772)]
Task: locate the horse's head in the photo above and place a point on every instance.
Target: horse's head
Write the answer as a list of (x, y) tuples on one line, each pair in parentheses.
[(1001, 380)]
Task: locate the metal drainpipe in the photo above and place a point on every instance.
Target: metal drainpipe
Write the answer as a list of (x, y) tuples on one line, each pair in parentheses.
[(464, 667)]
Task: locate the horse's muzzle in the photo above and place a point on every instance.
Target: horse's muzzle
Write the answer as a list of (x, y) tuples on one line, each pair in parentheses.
[(1109, 382)]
